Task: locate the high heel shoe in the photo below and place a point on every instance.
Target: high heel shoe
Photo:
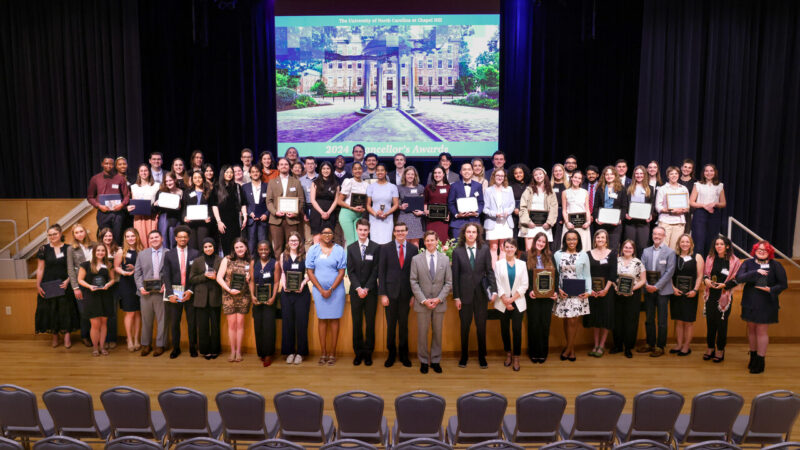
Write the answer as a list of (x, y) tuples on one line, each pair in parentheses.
[(515, 363), (707, 356), (719, 359), (507, 362), (563, 358)]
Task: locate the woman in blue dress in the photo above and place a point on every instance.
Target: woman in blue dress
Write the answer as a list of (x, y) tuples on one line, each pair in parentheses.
[(325, 265)]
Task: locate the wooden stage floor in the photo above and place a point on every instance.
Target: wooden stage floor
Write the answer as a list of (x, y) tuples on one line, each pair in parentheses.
[(31, 363)]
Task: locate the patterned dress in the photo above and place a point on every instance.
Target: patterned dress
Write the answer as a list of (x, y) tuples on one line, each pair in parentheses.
[(236, 304), (570, 306)]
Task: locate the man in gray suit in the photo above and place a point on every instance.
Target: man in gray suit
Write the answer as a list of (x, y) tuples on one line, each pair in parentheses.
[(431, 281), (148, 267), (657, 259)]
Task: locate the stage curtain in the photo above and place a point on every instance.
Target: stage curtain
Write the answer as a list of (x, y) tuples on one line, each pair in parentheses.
[(69, 93), (720, 83)]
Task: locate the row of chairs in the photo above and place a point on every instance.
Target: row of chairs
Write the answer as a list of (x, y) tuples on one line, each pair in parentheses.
[(204, 443), (480, 416)]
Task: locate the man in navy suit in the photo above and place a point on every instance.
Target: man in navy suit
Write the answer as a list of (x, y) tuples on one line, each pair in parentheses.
[(255, 201), (394, 289), (466, 187), (175, 274)]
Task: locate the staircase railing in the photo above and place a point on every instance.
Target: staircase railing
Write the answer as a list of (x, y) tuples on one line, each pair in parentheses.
[(732, 221)]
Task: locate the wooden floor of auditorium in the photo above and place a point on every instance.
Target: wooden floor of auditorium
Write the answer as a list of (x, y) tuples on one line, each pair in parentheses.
[(31, 363)]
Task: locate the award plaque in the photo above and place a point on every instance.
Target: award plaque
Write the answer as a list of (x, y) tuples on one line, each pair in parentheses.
[(109, 200), (598, 284), (625, 284), (264, 292), (437, 211), (177, 290), (762, 281), (684, 283), (678, 201), (152, 286), (293, 280), (539, 218), (237, 281), (99, 281), (543, 285), (577, 219), (652, 277), (288, 205), (357, 200)]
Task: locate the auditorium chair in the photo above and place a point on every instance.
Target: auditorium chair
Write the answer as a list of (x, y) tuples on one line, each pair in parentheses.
[(275, 444), (348, 444), (244, 416), (784, 446), (537, 419), (20, 415), (300, 417), (713, 445), (772, 416), (187, 415), (495, 444), (359, 415), (595, 420), (74, 414), (642, 444), (129, 414), (711, 418), (655, 412), (132, 443), (419, 414), (202, 443), (567, 445), (422, 444), (479, 417), (60, 443), (9, 444)]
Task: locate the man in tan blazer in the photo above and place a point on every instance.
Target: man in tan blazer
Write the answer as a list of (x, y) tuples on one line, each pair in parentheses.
[(280, 223), (431, 282)]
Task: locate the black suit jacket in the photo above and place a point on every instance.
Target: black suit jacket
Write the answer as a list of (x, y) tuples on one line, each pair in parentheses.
[(467, 282), (620, 203), (363, 273), (205, 292), (394, 281), (171, 269)]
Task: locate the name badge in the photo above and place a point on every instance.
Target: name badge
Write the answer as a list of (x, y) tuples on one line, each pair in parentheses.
[(291, 189), (613, 195), (604, 261), (130, 254), (367, 257), (663, 261), (103, 266), (724, 272), (190, 262), (264, 195), (247, 267), (323, 256), (443, 191), (765, 266), (413, 191), (687, 258), (295, 266), (476, 194), (60, 255), (192, 194), (266, 275), (556, 190), (114, 186)]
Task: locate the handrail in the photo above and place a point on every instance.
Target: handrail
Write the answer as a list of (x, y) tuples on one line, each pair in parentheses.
[(732, 221), (46, 221), (13, 222)]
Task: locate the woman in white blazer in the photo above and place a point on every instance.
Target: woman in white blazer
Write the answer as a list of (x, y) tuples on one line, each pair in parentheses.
[(511, 275), (498, 208)]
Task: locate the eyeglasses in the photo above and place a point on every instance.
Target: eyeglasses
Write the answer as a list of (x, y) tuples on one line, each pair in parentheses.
[(327, 232)]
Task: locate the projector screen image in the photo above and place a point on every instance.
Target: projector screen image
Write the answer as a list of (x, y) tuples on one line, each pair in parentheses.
[(413, 84)]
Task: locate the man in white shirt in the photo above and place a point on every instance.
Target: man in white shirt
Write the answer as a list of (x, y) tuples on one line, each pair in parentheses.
[(246, 155), (358, 157), (396, 176), (156, 161), (621, 167)]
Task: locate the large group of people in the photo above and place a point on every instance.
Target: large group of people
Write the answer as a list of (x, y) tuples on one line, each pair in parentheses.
[(585, 246)]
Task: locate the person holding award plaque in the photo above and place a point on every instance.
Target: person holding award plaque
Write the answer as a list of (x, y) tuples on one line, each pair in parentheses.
[(541, 273), (382, 202), (178, 292), (124, 265), (719, 277), (352, 202), (56, 311), (672, 204), (627, 303), (108, 193), (106, 237), (285, 202), (686, 286), (639, 213), (266, 272), (764, 279), (436, 211), (95, 276), (498, 210), (603, 267), (708, 197), (78, 252), (234, 276), (559, 185), (411, 204), (659, 264), (465, 200), (169, 208), (295, 301), (609, 202), (147, 275), (325, 265), (575, 213), (512, 283), (198, 198), (207, 299), (574, 287), (538, 209)]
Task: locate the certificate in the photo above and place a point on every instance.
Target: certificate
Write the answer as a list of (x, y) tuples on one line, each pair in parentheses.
[(640, 211), (543, 283), (598, 284), (288, 205), (608, 215), (293, 280), (678, 201), (573, 287), (263, 292), (152, 286), (577, 219), (237, 281), (357, 200), (52, 289), (684, 283), (414, 204), (538, 217), (437, 211), (109, 200), (169, 201), (141, 207), (467, 204), (197, 212), (652, 277), (625, 284)]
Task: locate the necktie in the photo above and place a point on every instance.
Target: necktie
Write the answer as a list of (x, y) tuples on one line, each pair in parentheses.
[(156, 264), (401, 254), (182, 262), (591, 197), (363, 251), (472, 257), (432, 268)]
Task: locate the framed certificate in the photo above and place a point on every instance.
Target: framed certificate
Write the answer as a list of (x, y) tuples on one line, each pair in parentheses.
[(414, 203), (684, 283), (640, 211), (538, 217), (169, 201), (52, 289), (652, 277), (141, 207), (177, 290), (608, 215), (197, 212), (293, 280), (437, 211), (678, 201), (288, 205), (577, 219), (543, 283), (357, 200), (573, 287), (109, 200), (152, 286), (264, 292), (237, 281), (598, 284), (625, 284), (467, 204)]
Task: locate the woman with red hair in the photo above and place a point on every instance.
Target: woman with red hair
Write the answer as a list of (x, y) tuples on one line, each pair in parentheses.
[(763, 278)]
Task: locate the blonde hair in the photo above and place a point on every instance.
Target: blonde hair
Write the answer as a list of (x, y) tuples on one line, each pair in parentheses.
[(494, 174), (553, 178), (645, 181), (136, 246), (616, 183), (416, 176), (87, 241), (691, 244)]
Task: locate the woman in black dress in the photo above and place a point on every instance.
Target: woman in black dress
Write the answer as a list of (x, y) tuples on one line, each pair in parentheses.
[(683, 305), (603, 267), (95, 276), (228, 209), (764, 280), (520, 177), (124, 263), (295, 305), (324, 192), (106, 237), (199, 193), (540, 310), (719, 276), (59, 313), (265, 272)]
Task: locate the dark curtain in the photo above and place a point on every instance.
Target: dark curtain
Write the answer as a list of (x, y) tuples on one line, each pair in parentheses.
[(208, 77), (69, 93), (569, 77), (720, 83)]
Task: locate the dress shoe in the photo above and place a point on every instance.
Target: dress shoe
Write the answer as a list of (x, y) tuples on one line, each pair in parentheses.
[(357, 360), (405, 361), (389, 361), (436, 367), (207, 357), (658, 351), (707, 356), (686, 353), (482, 362), (507, 362), (753, 354), (175, 353), (267, 361), (87, 342), (673, 351), (193, 353), (462, 362), (515, 363), (368, 360), (158, 351), (759, 364), (718, 359), (615, 350), (146, 350), (628, 354), (423, 368), (112, 345), (645, 349), (214, 355)]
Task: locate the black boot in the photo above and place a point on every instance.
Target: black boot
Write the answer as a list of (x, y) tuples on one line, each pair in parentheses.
[(753, 354), (758, 364)]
